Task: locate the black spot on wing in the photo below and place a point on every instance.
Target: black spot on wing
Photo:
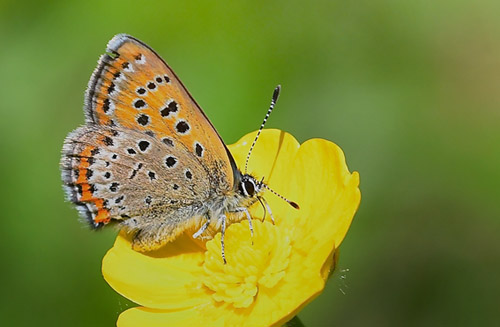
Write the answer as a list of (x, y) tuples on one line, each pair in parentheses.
[(143, 145), (171, 107), (151, 175), (170, 161), (182, 127), (143, 119), (167, 141), (114, 187), (111, 88), (105, 105), (139, 104), (198, 149), (108, 141)]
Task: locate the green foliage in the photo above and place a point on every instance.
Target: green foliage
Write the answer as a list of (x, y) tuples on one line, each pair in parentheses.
[(408, 89)]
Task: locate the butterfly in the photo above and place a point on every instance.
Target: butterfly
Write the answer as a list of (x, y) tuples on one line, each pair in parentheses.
[(148, 158)]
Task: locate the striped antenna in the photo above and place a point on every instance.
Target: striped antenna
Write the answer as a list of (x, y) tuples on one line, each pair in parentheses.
[(276, 94), (293, 204)]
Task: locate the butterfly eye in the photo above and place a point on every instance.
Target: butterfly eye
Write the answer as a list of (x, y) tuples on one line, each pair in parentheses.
[(249, 187)]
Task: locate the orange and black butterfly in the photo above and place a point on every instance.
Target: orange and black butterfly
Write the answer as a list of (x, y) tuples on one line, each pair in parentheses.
[(148, 157)]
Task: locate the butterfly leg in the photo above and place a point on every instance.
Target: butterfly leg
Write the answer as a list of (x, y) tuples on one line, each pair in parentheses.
[(223, 232), (268, 209), (263, 207), (249, 218), (202, 228)]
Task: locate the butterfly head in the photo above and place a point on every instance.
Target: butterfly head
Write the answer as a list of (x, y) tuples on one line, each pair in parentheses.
[(249, 187)]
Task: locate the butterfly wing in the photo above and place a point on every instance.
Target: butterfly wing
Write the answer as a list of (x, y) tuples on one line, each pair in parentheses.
[(147, 148)]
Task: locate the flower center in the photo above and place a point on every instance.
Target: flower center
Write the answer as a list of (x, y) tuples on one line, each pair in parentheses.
[(251, 264)]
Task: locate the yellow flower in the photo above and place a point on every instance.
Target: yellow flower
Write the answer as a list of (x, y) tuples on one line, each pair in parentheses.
[(267, 280)]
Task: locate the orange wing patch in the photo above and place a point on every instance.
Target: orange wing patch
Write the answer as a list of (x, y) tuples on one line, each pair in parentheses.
[(85, 190)]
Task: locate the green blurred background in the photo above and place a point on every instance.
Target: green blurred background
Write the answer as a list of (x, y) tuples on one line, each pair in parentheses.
[(409, 90)]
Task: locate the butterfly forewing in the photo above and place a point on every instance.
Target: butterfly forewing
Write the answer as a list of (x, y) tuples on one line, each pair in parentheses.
[(147, 147), (134, 88)]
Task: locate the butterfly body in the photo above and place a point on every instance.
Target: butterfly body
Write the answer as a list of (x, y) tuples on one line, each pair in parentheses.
[(148, 158)]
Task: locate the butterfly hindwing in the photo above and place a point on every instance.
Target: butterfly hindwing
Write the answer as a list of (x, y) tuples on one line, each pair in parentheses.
[(113, 173)]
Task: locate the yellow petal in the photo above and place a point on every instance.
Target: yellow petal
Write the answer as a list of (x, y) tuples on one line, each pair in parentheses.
[(329, 196), (141, 317), (166, 279), (271, 155), (300, 286)]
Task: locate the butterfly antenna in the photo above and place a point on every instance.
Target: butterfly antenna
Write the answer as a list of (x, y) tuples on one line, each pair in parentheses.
[(293, 204), (276, 94)]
